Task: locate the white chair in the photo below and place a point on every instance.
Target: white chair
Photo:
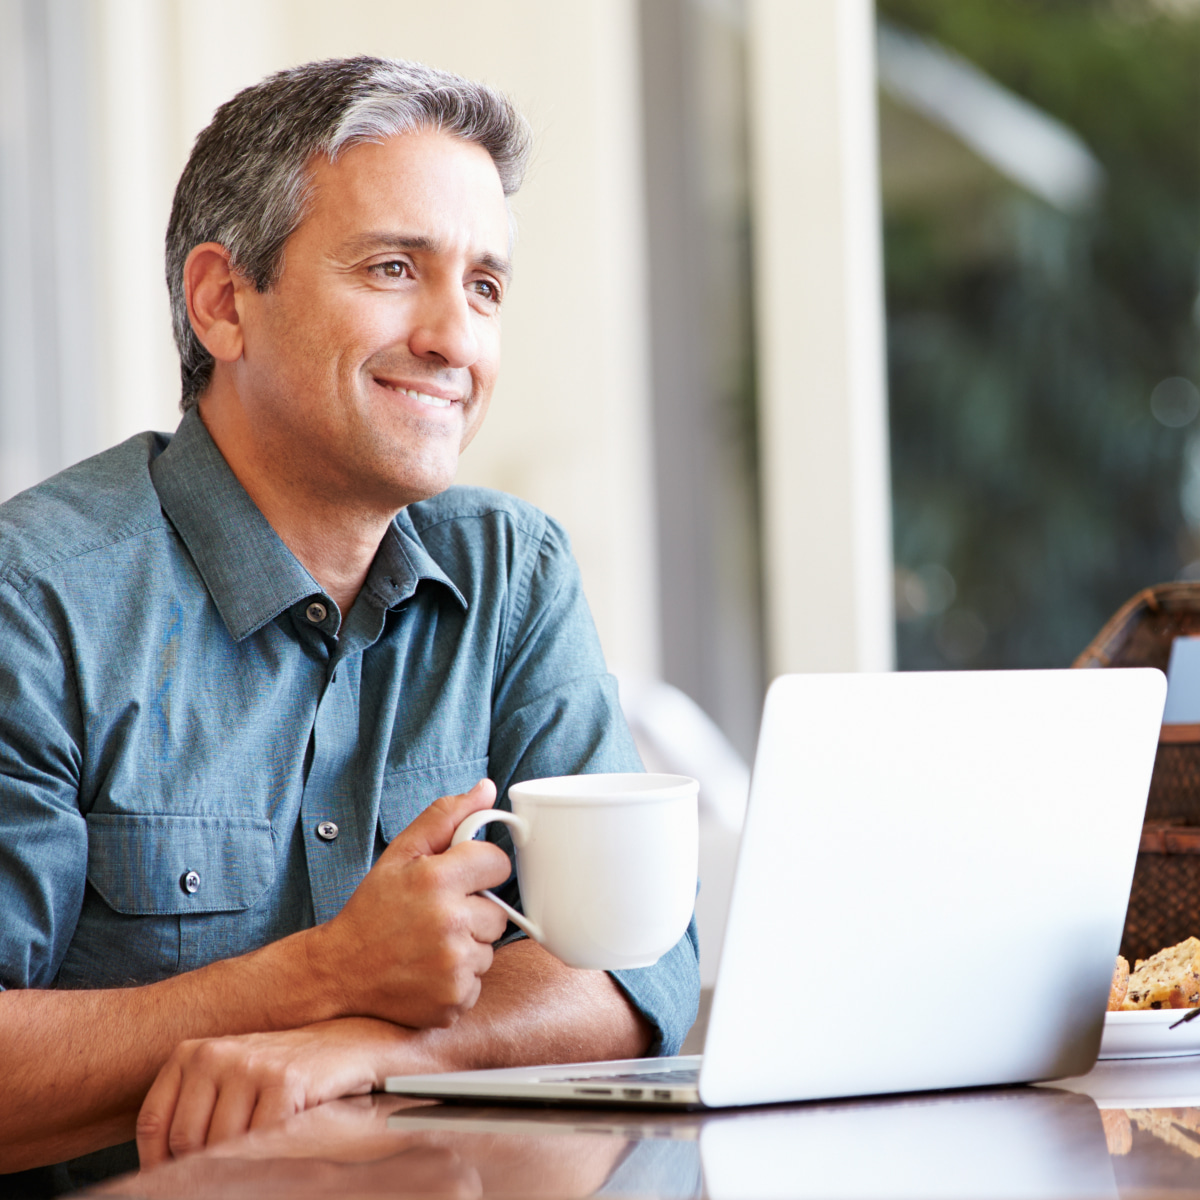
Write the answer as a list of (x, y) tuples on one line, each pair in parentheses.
[(675, 735)]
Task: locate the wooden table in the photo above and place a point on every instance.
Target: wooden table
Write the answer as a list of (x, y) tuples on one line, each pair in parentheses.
[(1128, 1129)]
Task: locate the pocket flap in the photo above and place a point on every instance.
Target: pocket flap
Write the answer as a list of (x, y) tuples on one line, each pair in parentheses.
[(407, 794), (173, 866)]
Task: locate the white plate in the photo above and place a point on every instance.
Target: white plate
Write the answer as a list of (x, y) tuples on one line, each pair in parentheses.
[(1140, 1082), (1146, 1034)]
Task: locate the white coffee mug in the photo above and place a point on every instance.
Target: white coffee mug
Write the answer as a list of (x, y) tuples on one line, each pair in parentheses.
[(606, 864)]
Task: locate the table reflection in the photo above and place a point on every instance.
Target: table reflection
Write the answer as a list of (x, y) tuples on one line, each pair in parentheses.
[(1126, 1129), (1011, 1143), (1018, 1142), (1150, 1109), (346, 1147)]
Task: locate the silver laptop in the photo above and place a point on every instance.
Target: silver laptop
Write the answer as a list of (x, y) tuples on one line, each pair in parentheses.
[(930, 893)]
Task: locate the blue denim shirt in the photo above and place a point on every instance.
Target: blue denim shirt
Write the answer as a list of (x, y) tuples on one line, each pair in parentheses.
[(170, 706)]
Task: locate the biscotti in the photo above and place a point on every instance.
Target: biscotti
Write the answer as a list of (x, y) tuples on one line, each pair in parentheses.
[(1120, 984), (1168, 979)]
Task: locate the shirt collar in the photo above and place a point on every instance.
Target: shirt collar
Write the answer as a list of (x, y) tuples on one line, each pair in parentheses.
[(401, 563), (250, 574)]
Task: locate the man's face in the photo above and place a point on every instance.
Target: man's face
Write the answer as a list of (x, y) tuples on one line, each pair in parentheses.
[(369, 366)]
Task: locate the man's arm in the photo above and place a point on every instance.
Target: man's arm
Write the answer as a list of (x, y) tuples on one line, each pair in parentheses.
[(409, 947), (529, 1011), (556, 711)]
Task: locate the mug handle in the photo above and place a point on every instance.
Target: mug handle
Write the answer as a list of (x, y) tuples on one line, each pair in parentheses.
[(468, 828)]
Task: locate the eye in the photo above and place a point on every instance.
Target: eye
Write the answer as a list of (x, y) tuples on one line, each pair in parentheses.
[(487, 288), (392, 269)]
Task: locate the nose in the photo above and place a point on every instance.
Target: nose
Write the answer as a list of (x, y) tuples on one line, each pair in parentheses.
[(443, 330)]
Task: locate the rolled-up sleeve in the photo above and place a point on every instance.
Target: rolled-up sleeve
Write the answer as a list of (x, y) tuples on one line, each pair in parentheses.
[(43, 835), (556, 711)]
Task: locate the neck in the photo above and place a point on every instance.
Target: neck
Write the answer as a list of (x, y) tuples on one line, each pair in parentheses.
[(336, 540)]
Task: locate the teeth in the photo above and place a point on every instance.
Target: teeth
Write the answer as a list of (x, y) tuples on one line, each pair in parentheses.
[(426, 398), (421, 397)]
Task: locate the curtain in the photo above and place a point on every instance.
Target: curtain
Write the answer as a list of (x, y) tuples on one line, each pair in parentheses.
[(48, 393)]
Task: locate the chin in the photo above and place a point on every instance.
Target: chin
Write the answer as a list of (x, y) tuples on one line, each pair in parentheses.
[(424, 484)]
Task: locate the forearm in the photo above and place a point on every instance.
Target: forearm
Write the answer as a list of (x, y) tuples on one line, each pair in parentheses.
[(409, 948), (531, 1009), (77, 1064)]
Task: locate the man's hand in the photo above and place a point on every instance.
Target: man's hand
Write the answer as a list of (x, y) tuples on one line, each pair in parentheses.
[(213, 1089), (533, 1008), (413, 940)]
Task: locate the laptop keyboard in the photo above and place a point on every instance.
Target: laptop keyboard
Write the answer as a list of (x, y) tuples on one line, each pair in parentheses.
[(678, 1077)]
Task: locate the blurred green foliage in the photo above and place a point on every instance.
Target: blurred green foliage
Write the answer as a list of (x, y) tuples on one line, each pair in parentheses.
[(1024, 343)]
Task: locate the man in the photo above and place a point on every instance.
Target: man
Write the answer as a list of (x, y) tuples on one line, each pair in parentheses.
[(255, 674)]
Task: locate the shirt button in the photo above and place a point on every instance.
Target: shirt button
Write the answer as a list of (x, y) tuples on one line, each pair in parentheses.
[(327, 831), (190, 882), (316, 612)]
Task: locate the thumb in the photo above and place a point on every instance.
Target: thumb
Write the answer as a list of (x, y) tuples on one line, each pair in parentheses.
[(431, 832)]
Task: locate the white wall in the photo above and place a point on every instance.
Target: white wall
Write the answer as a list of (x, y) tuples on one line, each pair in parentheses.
[(569, 426), (133, 128), (47, 355), (819, 311)]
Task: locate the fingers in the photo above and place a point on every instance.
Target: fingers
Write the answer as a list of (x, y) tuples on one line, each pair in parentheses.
[(236, 1104), (157, 1111), (193, 1115), (431, 832), (274, 1104), (414, 936), (473, 866), (214, 1089), (179, 1109), (486, 921), (184, 1111)]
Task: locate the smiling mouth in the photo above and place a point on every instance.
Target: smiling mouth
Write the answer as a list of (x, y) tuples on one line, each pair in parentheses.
[(419, 396)]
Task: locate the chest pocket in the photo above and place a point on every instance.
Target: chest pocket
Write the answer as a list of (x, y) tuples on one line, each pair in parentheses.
[(406, 794), (147, 875), (179, 866)]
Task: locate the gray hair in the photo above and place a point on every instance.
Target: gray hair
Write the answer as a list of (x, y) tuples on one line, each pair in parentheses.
[(247, 182)]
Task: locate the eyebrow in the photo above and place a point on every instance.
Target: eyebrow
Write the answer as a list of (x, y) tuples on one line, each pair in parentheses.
[(373, 243)]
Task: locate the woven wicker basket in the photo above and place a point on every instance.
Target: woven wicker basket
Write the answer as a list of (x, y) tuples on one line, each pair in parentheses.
[(1164, 904)]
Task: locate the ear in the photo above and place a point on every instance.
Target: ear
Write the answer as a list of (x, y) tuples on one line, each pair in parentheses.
[(212, 289)]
